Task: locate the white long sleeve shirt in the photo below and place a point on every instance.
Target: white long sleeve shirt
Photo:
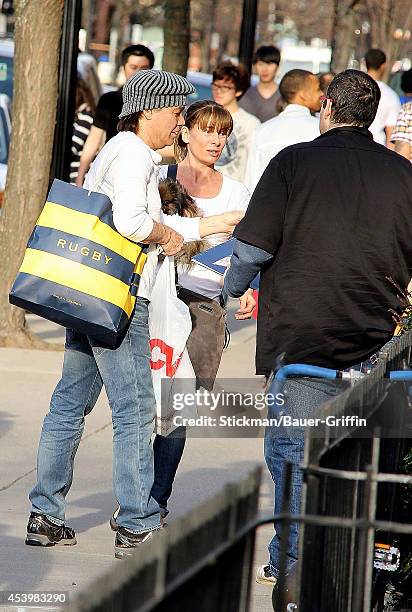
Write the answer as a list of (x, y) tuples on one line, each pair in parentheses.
[(126, 170), (295, 124), (387, 113)]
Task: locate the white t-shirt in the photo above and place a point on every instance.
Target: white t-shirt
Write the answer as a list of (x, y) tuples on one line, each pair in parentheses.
[(387, 113), (234, 156), (232, 196)]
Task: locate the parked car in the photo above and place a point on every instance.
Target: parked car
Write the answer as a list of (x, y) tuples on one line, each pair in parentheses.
[(202, 82), (6, 67), (5, 130), (86, 67)]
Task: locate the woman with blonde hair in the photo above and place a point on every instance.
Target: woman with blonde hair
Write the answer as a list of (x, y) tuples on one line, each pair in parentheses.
[(198, 147)]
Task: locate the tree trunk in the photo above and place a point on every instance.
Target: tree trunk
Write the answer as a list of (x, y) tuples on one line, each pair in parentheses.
[(176, 35), (342, 34), (381, 18), (381, 14), (34, 110), (102, 27)]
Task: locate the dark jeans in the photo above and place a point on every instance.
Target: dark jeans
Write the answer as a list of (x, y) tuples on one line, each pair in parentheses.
[(168, 452), (302, 398)]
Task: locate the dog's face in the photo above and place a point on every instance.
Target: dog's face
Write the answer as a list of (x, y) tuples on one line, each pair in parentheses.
[(176, 200)]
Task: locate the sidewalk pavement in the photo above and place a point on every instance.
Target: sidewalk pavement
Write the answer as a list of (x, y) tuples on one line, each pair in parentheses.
[(27, 379)]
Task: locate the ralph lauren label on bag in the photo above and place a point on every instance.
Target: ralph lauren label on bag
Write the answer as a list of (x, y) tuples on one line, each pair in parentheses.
[(68, 300)]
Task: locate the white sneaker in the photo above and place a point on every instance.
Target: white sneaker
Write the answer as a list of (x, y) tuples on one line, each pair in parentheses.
[(263, 576)]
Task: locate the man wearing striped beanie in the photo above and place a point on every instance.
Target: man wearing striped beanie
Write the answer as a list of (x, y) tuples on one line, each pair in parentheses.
[(126, 171)]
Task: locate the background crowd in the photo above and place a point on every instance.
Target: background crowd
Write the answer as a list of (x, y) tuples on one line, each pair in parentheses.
[(267, 116)]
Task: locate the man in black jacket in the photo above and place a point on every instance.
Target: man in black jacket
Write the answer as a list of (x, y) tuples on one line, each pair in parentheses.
[(329, 222)]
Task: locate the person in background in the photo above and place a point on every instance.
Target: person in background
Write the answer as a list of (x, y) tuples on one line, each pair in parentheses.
[(389, 105), (406, 86), (325, 79), (83, 121), (402, 133), (106, 118), (301, 92), (328, 223), (262, 100), (229, 84)]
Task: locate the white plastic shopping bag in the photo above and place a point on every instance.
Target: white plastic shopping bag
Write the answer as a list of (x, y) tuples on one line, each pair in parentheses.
[(173, 375)]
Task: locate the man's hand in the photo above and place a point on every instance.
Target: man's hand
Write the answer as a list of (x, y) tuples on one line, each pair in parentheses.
[(170, 241), (247, 305), (173, 244)]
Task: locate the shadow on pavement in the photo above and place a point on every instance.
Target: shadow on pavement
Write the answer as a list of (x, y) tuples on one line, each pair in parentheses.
[(195, 486), (190, 489), (21, 566), (6, 423), (105, 504)]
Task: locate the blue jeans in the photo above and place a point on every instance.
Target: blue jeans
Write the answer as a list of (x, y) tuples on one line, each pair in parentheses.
[(302, 398), (126, 375), (168, 451)]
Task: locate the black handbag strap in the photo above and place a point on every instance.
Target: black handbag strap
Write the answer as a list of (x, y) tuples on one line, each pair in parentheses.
[(172, 172)]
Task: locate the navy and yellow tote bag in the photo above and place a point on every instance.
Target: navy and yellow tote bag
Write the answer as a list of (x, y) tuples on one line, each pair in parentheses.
[(77, 270)]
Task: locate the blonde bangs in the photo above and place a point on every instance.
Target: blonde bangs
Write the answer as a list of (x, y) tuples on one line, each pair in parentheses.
[(213, 117)]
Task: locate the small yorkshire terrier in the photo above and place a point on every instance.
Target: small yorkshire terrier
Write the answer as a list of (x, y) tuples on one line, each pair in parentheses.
[(176, 201)]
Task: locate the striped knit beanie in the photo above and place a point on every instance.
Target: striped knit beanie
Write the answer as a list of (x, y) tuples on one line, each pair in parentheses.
[(149, 89)]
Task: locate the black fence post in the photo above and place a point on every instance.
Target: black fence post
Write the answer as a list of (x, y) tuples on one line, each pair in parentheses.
[(247, 33), (67, 90)]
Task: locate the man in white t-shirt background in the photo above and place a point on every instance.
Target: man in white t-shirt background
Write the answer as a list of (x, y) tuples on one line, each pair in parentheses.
[(389, 105), (229, 84), (300, 89)]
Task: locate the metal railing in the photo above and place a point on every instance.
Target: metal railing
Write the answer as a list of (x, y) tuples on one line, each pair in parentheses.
[(201, 563), (354, 484)]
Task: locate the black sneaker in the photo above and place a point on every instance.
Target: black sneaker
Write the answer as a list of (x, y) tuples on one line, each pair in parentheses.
[(113, 519), (42, 532), (113, 522), (126, 541), (264, 576)]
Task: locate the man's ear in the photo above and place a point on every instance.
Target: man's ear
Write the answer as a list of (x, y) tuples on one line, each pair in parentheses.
[(328, 110), (300, 95), (238, 94), (147, 114)]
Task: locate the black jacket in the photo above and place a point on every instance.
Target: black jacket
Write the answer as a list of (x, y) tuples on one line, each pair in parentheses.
[(336, 213)]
